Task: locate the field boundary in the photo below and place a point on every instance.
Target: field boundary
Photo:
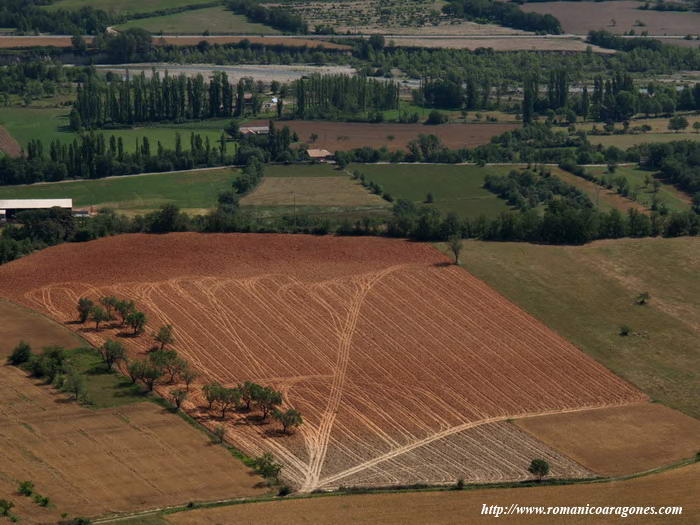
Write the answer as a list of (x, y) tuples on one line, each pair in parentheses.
[(409, 490)]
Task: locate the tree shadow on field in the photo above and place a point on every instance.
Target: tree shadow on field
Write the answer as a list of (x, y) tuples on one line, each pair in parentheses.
[(72, 322), (256, 419), (275, 433), (442, 264)]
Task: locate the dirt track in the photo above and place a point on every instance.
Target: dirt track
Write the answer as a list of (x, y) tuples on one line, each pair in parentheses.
[(8, 144), (390, 353)]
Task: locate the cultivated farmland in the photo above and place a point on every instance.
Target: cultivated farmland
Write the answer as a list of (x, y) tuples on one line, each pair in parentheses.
[(192, 191), (406, 368), (8, 144), (587, 16), (601, 439), (344, 136), (91, 462), (212, 19), (676, 487), (457, 189), (629, 140), (122, 6), (586, 293)]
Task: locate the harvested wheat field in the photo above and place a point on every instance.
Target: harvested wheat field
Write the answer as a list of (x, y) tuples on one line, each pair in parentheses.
[(672, 488), (95, 462), (312, 191), (8, 144), (344, 136), (619, 440), (535, 43), (392, 355)]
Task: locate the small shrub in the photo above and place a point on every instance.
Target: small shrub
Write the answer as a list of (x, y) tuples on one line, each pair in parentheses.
[(26, 488), (284, 491), (625, 330), (460, 484), (21, 354)]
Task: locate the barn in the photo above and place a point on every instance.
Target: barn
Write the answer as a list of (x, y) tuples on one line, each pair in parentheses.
[(10, 207)]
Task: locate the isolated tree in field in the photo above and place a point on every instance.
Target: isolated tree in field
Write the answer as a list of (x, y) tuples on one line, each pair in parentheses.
[(98, 315), (289, 419), (124, 308), (135, 370), (22, 353), (165, 336), (178, 395), (677, 123), (74, 383), (696, 126), (267, 399), (643, 298), (455, 245), (539, 468), (110, 304), (137, 321), (188, 376), (85, 305), (112, 352), (211, 392)]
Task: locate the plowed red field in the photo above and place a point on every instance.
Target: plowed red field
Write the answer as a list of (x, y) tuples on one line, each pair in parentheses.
[(392, 355)]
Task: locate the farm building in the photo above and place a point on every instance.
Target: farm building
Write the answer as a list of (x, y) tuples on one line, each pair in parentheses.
[(321, 155), (10, 207), (255, 130)]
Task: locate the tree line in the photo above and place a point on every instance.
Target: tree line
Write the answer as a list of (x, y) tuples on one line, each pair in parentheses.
[(155, 99), (330, 96), (277, 17)]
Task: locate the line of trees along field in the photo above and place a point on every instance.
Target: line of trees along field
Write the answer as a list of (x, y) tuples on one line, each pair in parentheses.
[(503, 13), (277, 17)]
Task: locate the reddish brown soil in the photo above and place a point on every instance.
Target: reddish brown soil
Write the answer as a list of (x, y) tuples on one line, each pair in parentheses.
[(582, 17), (266, 40), (344, 136), (8, 144), (390, 353)]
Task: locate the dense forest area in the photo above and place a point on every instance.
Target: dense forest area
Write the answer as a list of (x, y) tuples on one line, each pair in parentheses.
[(677, 162), (27, 16)]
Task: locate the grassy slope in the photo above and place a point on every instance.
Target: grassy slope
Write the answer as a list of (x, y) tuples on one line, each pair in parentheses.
[(25, 124), (213, 19), (586, 293), (193, 190), (673, 198), (455, 189)]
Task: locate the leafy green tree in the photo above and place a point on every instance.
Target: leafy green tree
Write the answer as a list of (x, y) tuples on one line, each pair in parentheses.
[(135, 370), (289, 419), (5, 507), (26, 488), (150, 375), (220, 433), (85, 306), (74, 383), (211, 392), (112, 352), (178, 395), (249, 393), (677, 123), (267, 399), (455, 245), (188, 376), (21, 354), (98, 315), (539, 468), (124, 308), (165, 336), (110, 303), (137, 321), (266, 466), (227, 399)]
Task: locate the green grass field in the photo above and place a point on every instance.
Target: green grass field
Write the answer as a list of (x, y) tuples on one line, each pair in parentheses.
[(626, 141), (586, 293), (303, 170), (674, 199), (457, 189), (193, 191), (48, 124), (212, 19), (122, 6)]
